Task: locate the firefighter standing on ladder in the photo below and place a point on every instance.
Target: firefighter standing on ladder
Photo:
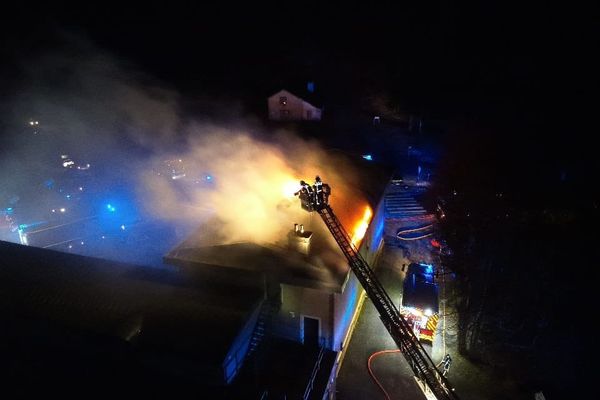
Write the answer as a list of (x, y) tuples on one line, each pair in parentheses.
[(304, 189), (318, 188), (315, 197), (306, 196), (446, 361), (321, 193)]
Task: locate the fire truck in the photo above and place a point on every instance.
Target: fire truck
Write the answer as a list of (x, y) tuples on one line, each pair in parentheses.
[(420, 301), (431, 380)]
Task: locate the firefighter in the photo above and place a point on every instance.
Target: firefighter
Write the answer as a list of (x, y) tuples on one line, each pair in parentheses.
[(326, 193), (306, 195), (304, 189), (447, 361), (318, 187)]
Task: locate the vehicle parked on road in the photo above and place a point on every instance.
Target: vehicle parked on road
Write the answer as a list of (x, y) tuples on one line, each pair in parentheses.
[(420, 301)]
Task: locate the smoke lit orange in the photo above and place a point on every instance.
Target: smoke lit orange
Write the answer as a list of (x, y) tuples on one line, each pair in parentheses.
[(360, 228)]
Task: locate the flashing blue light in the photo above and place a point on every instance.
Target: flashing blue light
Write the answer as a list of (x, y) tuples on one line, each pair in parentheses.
[(110, 208), (351, 305), (9, 209), (368, 157), (428, 268), (208, 177), (68, 196), (122, 227)]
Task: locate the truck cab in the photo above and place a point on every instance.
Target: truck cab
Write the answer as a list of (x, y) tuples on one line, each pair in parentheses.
[(420, 301)]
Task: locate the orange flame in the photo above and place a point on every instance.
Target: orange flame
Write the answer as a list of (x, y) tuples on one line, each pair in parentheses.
[(360, 228)]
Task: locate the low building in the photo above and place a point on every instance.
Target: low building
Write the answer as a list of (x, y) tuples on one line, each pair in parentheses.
[(76, 317), (201, 323), (315, 295), (286, 106)]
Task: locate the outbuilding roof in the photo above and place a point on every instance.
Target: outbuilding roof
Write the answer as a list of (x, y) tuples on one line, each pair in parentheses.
[(179, 314), (313, 99)]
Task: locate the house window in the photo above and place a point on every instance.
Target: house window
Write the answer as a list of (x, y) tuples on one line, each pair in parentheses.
[(284, 114), (283, 100)]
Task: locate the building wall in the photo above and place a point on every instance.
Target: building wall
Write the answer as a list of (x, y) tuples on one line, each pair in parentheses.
[(346, 303), (298, 302), (295, 108), (335, 311), (310, 112)]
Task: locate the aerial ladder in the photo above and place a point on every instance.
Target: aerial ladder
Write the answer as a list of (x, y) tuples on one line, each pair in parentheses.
[(316, 198)]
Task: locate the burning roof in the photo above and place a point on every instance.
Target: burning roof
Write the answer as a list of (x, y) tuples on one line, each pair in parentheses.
[(322, 267)]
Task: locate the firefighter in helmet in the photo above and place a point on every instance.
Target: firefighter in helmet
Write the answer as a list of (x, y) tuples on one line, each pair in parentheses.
[(318, 189), (446, 364), (306, 195), (304, 188)]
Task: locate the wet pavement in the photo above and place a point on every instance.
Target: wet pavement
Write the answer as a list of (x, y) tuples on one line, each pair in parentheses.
[(370, 336)]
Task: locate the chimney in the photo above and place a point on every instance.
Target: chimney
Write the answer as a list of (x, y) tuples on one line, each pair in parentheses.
[(299, 239)]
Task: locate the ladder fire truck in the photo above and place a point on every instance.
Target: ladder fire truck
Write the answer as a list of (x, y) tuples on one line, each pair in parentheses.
[(317, 199), (419, 305)]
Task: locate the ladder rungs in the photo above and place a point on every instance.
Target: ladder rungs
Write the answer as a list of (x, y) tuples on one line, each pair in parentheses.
[(390, 316)]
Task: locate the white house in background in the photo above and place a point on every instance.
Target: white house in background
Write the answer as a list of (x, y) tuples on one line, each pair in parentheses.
[(285, 106)]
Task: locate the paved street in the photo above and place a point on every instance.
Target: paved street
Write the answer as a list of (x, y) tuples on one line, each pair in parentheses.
[(370, 336)]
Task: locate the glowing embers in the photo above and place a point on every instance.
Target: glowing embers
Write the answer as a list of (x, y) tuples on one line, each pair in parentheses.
[(360, 228)]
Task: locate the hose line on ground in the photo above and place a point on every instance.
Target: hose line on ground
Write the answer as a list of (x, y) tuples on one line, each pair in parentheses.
[(378, 353)]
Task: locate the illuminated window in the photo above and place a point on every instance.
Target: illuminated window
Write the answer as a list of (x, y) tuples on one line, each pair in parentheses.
[(283, 100)]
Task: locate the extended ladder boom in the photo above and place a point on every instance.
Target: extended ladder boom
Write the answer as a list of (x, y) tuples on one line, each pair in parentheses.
[(416, 356)]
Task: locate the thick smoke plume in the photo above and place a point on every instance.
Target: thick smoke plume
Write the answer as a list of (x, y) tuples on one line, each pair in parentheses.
[(239, 178), (254, 181)]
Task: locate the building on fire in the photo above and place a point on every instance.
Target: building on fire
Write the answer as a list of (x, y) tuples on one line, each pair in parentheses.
[(217, 318)]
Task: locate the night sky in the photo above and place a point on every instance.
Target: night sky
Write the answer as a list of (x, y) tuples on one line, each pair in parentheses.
[(443, 58)]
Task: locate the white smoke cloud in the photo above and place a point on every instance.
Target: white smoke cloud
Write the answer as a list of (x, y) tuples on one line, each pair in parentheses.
[(251, 197), (90, 104)]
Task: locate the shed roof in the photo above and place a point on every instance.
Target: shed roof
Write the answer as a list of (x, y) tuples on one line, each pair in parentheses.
[(313, 99), (284, 265), (178, 313)]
